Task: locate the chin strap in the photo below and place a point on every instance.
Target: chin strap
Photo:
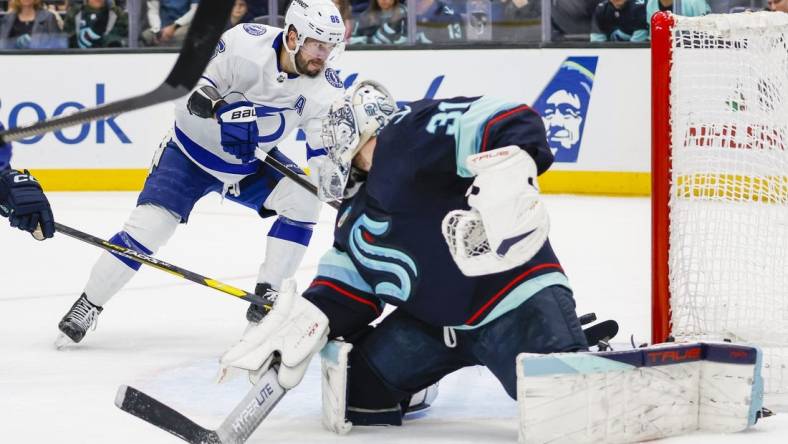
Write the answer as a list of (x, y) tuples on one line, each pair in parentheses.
[(290, 53)]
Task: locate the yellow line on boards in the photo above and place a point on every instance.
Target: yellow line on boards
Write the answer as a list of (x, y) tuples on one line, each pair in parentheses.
[(565, 182)]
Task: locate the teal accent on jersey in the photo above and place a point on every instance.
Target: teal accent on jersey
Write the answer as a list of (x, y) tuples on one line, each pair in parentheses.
[(337, 265), (362, 250), (574, 363), (520, 294), (468, 137)]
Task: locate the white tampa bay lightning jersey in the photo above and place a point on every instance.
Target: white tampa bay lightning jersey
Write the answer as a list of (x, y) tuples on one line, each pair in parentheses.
[(245, 66)]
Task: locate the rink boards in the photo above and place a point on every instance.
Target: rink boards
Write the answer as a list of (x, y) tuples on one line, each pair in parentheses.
[(596, 104)]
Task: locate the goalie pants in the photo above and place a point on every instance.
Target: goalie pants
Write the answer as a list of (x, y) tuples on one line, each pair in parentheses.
[(403, 355)]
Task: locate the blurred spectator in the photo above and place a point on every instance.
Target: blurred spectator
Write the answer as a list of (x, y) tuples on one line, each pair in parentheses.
[(384, 22), (479, 19), (437, 22), (620, 21), (169, 22), (347, 16), (96, 24), (28, 25), (689, 8), (518, 21), (239, 14), (777, 5), (259, 8), (571, 19)]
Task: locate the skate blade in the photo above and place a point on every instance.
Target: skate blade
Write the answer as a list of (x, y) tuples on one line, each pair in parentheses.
[(63, 341)]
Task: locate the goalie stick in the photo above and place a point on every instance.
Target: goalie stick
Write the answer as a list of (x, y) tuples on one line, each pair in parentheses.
[(204, 32), (236, 427), (151, 261)]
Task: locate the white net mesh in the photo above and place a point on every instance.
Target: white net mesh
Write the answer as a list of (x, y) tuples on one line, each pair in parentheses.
[(729, 191), (465, 235)]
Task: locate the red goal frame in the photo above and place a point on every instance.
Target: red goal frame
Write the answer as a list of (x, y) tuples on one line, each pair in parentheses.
[(661, 43)]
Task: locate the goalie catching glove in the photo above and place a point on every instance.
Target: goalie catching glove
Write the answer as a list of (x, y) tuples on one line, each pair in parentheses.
[(507, 223), (294, 330)]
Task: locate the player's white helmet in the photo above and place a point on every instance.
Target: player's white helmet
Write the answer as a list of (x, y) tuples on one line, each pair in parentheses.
[(316, 19), (355, 118)]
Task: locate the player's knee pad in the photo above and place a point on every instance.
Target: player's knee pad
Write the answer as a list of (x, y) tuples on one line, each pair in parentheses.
[(638, 395), (147, 229), (292, 201)]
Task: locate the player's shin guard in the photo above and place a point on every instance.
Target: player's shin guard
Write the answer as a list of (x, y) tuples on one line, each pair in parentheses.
[(334, 364), (638, 395), (284, 250), (148, 228)]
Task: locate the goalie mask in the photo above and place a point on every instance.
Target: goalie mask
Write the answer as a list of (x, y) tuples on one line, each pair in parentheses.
[(354, 119)]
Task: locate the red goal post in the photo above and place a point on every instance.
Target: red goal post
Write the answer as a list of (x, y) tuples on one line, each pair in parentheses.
[(720, 182)]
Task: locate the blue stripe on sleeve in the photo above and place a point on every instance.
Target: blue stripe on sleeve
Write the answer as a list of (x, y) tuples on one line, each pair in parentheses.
[(212, 161), (314, 152)]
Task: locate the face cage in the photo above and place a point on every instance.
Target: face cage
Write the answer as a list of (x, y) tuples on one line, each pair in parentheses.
[(340, 137)]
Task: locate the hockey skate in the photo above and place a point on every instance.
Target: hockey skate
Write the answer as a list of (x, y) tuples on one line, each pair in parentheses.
[(420, 402), (255, 313), (75, 324)]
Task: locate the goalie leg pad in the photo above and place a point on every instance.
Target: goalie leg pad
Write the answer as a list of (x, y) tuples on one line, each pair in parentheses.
[(334, 366), (638, 395)]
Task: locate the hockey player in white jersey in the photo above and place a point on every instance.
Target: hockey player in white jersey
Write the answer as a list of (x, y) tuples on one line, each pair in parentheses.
[(262, 83)]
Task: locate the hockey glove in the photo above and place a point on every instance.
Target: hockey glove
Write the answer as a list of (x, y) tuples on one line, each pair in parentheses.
[(23, 201), (294, 330), (238, 125), (507, 223)]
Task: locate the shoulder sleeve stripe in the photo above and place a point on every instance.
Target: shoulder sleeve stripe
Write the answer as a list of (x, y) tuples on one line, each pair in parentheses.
[(495, 120)]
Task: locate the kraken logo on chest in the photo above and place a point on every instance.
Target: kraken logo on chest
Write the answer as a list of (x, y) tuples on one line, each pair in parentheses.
[(397, 267)]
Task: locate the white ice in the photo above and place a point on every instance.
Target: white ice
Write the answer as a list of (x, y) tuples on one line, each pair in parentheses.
[(164, 335)]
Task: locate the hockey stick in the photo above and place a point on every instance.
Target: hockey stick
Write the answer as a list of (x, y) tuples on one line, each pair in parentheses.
[(236, 427), (204, 32), (151, 261), (295, 177)]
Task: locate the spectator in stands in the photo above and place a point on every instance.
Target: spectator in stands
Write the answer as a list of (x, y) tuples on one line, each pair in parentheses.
[(571, 19), (96, 24), (28, 25), (346, 12), (169, 22), (437, 22), (620, 21), (777, 5), (689, 8), (517, 21), (384, 22), (239, 14)]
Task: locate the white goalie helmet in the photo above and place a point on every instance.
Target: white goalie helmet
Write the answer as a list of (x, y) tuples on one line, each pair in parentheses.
[(316, 19), (355, 118)]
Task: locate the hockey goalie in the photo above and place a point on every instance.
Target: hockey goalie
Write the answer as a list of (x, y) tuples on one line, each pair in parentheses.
[(442, 218)]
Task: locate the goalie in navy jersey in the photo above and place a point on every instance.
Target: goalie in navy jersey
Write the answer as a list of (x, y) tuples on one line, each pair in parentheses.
[(442, 219)]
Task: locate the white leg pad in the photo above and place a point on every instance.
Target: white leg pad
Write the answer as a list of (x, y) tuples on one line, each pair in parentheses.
[(334, 357), (638, 395)]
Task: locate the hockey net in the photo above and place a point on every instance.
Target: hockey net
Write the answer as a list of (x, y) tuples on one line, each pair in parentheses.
[(720, 183)]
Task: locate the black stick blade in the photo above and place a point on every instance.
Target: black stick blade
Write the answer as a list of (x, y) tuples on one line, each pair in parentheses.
[(201, 40), (154, 412)]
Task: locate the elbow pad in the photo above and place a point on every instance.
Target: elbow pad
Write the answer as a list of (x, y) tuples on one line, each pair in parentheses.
[(204, 102)]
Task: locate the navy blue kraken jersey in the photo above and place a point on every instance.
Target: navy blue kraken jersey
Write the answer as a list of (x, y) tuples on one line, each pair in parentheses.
[(388, 244)]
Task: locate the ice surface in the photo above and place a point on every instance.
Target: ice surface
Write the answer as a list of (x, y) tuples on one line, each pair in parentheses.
[(164, 335)]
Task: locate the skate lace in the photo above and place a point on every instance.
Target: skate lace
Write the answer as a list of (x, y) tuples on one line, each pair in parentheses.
[(85, 315)]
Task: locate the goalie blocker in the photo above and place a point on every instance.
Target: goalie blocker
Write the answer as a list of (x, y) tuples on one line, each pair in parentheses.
[(637, 395)]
